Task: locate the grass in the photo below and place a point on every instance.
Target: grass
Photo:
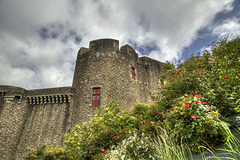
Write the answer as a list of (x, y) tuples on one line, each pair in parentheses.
[(164, 148)]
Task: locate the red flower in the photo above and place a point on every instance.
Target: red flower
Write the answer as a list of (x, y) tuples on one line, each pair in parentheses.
[(102, 149), (163, 112), (178, 72), (108, 149), (192, 116), (210, 114), (226, 77), (110, 132), (153, 106), (202, 102), (97, 137), (167, 98), (148, 122), (159, 121), (205, 102), (114, 137), (91, 142), (205, 81), (187, 105), (156, 112), (192, 92), (197, 102), (168, 119), (199, 95)]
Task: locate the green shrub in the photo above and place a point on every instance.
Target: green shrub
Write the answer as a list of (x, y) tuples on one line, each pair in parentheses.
[(51, 153), (192, 121), (104, 131), (135, 147), (215, 75)]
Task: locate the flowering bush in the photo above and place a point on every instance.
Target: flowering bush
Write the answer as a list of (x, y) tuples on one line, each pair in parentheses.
[(214, 75), (134, 147), (50, 153), (193, 121), (97, 137)]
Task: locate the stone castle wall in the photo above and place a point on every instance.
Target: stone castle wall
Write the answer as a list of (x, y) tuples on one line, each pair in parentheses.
[(106, 66), (29, 118), (32, 118)]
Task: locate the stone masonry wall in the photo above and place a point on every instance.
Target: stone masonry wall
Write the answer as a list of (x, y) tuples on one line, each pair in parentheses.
[(11, 120), (103, 65), (149, 82), (32, 118), (106, 66)]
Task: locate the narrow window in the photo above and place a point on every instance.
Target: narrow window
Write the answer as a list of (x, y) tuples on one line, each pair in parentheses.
[(133, 73), (95, 96)]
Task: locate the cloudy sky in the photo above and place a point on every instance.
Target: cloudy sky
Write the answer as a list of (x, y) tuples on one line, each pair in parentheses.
[(39, 39)]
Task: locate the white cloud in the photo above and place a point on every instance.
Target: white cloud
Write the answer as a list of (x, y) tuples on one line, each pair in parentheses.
[(229, 27), (39, 40)]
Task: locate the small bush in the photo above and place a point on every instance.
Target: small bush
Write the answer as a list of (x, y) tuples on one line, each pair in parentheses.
[(192, 120), (134, 147), (51, 153)]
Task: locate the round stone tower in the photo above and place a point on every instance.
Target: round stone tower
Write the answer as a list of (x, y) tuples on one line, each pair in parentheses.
[(104, 73)]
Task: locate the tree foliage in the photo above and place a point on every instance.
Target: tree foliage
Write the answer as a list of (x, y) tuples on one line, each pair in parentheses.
[(214, 74)]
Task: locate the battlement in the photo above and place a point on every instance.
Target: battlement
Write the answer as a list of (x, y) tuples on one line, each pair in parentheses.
[(11, 90), (38, 96), (146, 61), (104, 45), (11, 93), (50, 95)]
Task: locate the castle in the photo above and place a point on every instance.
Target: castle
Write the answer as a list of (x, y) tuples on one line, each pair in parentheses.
[(103, 72)]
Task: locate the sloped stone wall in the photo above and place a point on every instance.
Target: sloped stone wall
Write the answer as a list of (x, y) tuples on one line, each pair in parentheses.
[(32, 118)]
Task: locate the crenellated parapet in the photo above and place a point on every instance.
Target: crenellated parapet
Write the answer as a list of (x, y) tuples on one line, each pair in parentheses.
[(104, 45), (47, 99), (39, 96), (2, 93), (50, 95)]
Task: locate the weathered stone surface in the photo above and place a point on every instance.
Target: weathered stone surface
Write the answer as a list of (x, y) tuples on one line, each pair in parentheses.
[(29, 118), (26, 124)]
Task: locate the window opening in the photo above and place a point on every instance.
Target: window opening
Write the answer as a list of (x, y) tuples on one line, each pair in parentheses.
[(96, 97), (133, 73)]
